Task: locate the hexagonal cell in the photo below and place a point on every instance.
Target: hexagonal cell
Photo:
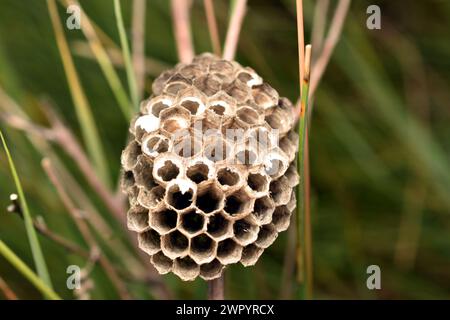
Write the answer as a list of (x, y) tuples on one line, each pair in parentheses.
[(192, 222), (130, 155), (261, 137), (174, 119), (249, 77), (160, 82), (191, 71), (203, 249), (281, 218), (280, 120), (258, 183), (262, 210), (199, 171), (188, 146), (174, 244), (292, 176), (247, 117), (246, 155), (152, 198), (186, 268), (266, 236), (209, 84), (176, 84), (265, 96), (293, 202), (211, 270), (145, 124), (222, 67), (149, 241), (167, 168), (138, 219), (250, 255), (180, 194), (280, 191), (163, 220), (154, 144), (222, 104), (192, 100), (127, 180), (216, 149), (245, 232), (275, 164), (162, 263), (210, 198), (157, 104), (230, 178), (288, 148), (238, 91), (238, 204), (219, 227), (143, 173), (229, 252)]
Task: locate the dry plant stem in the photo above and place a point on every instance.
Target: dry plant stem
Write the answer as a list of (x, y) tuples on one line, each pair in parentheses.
[(138, 44), (301, 42), (78, 217), (234, 29), (331, 40), (212, 26), (216, 288), (318, 28), (180, 16), (8, 293)]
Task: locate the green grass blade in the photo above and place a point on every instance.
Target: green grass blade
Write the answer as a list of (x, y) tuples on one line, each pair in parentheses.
[(20, 266), (126, 55), (104, 62), (36, 250), (89, 130)]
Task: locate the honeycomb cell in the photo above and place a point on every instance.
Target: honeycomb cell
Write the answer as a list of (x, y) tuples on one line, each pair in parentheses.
[(151, 199), (266, 236), (219, 227), (258, 184), (249, 77), (199, 171), (130, 156), (138, 219), (180, 194), (174, 244), (154, 144), (262, 210), (192, 223), (280, 191), (162, 263), (238, 204), (149, 241), (158, 104), (210, 199), (281, 218), (186, 268), (176, 84), (245, 232), (250, 255), (142, 173), (203, 249), (211, 270), (174, 119), (265, 96), (229, 252), (164, 220)]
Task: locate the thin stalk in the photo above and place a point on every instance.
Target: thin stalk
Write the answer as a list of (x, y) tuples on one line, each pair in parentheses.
[(89, 130), (237, 14), (36, 250), (212, 26), (8, 293), (216, 288), (138, 42), (126, 55), (104, 61), (302, 128), (301, 43), (182, 29), (20, 266)]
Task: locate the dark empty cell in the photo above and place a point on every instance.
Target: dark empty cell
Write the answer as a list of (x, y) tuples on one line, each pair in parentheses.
[(233, 204), (217, 225), (226, 247), (156, 195), (246, 157), (209, 200), (157, 144), (264, 234), (151, 239), (179, 200), (201, 243), (256, 182), (250, 252), (192, 106), (262, 208), (280, 215), (157, 108), (186, 263), (167, 219), (192, 222), (227, 177), (168, 171), (218, 109), (241, 229), (139, 218), (161, 260), (178, 241), (276, 190), (198, 172), (211, 268)]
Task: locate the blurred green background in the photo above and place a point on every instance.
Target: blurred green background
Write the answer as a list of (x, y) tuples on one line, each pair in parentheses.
[(379, 141)]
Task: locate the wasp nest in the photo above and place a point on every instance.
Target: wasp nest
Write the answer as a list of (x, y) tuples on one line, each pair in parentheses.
[(210, 171)]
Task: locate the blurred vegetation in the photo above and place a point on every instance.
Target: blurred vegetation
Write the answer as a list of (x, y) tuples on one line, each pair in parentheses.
[(379, 142)]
